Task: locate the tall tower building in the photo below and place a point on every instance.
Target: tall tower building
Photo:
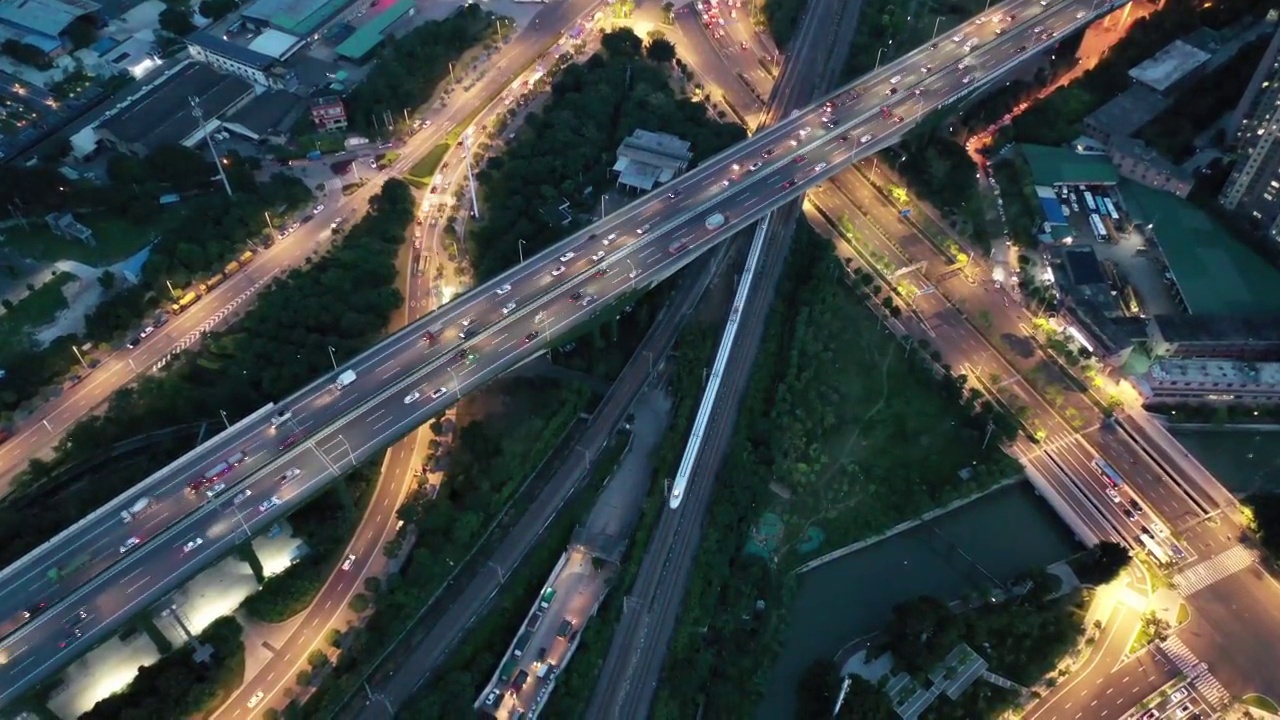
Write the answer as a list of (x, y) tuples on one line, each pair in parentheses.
[(1254, 186)]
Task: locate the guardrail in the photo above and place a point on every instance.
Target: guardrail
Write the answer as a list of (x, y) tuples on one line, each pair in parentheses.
[(121, 501)]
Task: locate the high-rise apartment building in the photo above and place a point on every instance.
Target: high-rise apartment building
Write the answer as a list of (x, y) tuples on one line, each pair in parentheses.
[(1254, 186)]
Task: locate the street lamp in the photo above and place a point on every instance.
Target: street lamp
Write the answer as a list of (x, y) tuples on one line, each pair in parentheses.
[(76, 350), (331, 358), (172, 292), (225, 421), (877, 67), (520, 246), (935, 27)]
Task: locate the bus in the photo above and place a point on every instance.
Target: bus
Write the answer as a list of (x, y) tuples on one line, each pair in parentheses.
[(1098, 228), (1088, 200), (1154, 549), (1111, 209), (1107, 472)]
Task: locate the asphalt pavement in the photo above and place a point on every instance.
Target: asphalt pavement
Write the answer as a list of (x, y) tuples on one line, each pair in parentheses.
[(397, 379)]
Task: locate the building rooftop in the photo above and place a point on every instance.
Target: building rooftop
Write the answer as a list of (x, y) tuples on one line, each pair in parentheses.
[(1204, 372), (239, 53), (1168, 66), (1135, 148), (646, 159), (266, 112), (365, 39), (46, 17), (162, 114), (1217, 328), (1083, 267), (1061, 166), (275, 44), (1215, 273), (296, 17), (1127, 112)]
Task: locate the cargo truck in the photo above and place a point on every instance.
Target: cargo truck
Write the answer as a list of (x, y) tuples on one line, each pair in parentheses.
[(715, 220), (138, 507), (345, 378), (185, 302), (547, 596), (566, 627), (522, 642), (508, 670), (212, 283)]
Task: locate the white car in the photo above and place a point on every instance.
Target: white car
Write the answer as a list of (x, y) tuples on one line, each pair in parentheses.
[(754, 166), (130, 544), (215, 489), (506, 309), (257, 698), (438, 393), (1038, 29), (346, 564), (411, 397), (725, 182), (241, 497), (967, 79), (804, 131), (1115, 496), (192, 545), (269, 503), (611, 238), (958, 37), (1180, 693), (1159, 529), (567, 256), (147, 331), (1081, 14), (289, 475), (643, 228), (895, 79), (557, 270), (504, 290), (820, 167), (318, 208), (979, 21), (865, 138), (598, 256)]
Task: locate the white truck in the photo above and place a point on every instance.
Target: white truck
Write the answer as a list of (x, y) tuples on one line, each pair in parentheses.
[(138, 507), (345, 378), (715, 220)]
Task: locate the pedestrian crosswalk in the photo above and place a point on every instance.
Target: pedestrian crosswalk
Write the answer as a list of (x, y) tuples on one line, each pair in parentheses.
[(1205, 683), (1202, 575)]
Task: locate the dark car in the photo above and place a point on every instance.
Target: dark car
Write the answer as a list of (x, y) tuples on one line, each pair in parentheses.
[(675, 193), (35, 610), (1135, 506), (1020, 49), (531, 337), (843, 138), (291, 440), (601, 272), (135, 342), (789, 184), (71, 638), (800, 158), (576, 296), (76, 618), (768, 151)]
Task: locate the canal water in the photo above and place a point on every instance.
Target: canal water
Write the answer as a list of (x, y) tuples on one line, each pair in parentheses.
[(1244, 461), (998, 535)]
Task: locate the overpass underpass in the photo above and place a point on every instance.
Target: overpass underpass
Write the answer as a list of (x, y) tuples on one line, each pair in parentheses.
[(343, 435)]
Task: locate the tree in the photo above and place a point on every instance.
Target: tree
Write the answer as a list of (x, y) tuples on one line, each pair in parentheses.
[(818, 690), (217, 9), (107, 280), (920, 634), (359, 603), (1156, 627), (176, 20), (660, 50)]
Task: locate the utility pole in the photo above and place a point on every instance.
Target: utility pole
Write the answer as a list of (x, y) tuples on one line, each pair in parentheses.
[(198, 114)]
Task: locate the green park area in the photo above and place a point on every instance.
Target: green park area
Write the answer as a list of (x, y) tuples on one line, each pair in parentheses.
[(844, 432)]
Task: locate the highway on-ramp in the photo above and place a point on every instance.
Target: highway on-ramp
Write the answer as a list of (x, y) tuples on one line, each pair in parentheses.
[(642, 244)]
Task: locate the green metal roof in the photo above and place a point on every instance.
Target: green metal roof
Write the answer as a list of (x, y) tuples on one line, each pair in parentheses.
[(364, 40), (1060, 166), (1216, 274)]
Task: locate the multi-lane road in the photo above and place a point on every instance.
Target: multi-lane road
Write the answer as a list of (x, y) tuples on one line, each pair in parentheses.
[(395, 383)]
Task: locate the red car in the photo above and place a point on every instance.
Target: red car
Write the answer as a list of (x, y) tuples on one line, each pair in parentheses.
[(800, 158), (291, 440)]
